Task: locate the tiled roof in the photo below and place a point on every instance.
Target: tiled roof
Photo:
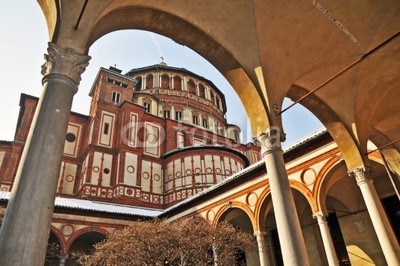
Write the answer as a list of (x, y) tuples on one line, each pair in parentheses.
[(305, 139), (88, 205)]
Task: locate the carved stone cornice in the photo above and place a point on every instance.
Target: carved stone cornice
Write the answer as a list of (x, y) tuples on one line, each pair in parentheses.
[(64, 61)]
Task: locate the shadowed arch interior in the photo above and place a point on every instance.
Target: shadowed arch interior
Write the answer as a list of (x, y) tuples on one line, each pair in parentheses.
[(238, 218)]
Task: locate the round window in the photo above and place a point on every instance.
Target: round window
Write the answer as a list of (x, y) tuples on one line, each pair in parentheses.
[(70, 137)]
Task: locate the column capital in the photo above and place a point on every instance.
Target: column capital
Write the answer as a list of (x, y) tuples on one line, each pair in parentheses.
[(320, 216), (359, 174), (270, 140), (64, 61), (260, 233)]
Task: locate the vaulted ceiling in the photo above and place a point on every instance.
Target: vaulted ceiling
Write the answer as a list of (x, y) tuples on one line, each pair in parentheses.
[(340, 59)]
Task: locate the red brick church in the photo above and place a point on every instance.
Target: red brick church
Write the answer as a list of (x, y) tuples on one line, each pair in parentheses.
[(154, 136), (156, 144)]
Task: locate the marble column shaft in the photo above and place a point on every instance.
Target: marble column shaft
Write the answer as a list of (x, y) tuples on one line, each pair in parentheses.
[(25, 230), (327, 240), (290, 235), (383, 229)]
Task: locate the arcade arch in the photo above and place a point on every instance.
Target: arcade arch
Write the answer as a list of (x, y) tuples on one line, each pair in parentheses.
[(309, 228), (333, 124), (54, 250), (351, 226), (83, 241), (244, 82), (249, 68), (240, 219)]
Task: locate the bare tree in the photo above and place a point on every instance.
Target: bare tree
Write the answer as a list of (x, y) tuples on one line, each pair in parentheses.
[(2, 211), (156, 242), (141, 243), (228, 242)]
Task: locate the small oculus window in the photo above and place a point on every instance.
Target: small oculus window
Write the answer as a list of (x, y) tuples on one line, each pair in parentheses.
[(70, 137)]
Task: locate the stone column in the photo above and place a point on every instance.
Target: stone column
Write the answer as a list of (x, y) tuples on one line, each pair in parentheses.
[(197, 88), (25, 230), (290, 236), (383, 229), (144, 82), (184, 83), (327, 239), (262, 248)]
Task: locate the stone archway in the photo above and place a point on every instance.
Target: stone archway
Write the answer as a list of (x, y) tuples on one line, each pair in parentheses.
[(262, 54), (309, 227), (84, 243), (342, 136), (239, 218), (54, 250), (348, 218), (236, 65)]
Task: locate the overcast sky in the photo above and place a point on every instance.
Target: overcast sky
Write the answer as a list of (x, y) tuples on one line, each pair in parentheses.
[(24, 42)]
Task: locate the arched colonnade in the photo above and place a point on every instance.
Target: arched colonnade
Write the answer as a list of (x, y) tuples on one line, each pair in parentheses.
[(314, 53)]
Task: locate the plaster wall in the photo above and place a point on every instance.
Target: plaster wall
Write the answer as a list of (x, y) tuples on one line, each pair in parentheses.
[(357, 230), (67, 178), (70, 147), (130, 169), (310, 234)]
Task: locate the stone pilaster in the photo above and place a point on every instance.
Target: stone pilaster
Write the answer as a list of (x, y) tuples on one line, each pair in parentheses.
[(383, 229), (25, 230), (290, 236)]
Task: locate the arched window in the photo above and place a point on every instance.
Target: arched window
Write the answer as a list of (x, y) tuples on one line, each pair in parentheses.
[(195, 119), (237, 137), (191, 86), (218, 102), (147, 105), (177, 83), (202, 91), (149, 81), (205, 122), (167, 112), (138, 83), (165, 81)]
